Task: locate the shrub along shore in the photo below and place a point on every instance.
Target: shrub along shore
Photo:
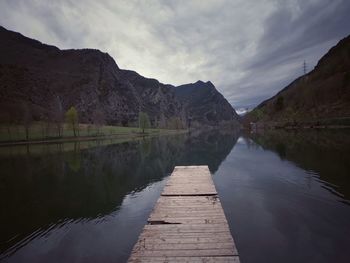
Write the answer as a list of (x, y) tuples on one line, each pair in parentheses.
[(40, 132)]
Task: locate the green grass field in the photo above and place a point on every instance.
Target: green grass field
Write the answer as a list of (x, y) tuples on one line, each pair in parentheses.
[(41, 131)]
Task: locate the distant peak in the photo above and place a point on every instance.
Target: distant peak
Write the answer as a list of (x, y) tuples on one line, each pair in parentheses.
[(209, 83), (202, 82)]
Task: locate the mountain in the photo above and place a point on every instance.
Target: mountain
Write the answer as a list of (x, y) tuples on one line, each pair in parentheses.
[(204, 104), (322, 96), (40, 79)]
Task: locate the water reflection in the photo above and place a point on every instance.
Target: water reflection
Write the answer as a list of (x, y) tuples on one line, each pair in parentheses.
[(325, 154), (285, 196), (47, 188)]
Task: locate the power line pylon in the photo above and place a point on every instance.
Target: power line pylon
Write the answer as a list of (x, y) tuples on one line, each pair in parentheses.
[(305, 67)]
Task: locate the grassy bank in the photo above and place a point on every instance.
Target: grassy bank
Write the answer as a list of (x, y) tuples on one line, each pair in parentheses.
[(41, 133)]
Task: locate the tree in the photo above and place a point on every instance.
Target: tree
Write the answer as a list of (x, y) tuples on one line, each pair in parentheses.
[(6, 118), (279, 103), (162, 121), (44, 117), (57, 115), (175, 123), (144, 122), (290, 116), (183, 118), (27, 118), (72, 120), (189, 122), (125, 121), (257, 114), (89, 129), (98, 119)]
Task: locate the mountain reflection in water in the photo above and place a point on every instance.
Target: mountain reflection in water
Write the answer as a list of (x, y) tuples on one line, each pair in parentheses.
[(46, 187), (285, 194)]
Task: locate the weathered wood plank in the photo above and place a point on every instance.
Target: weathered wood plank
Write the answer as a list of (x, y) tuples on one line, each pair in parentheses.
[(153, 235), (187, 223), (167, 217), (148, 235), (203, 221), (185, 227), (187, 240), (185, 252), (190, 181), (184, 246), (227, 259), (193, 199)]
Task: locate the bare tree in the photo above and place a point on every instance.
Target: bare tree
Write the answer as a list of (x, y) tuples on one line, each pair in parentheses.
[(58, 115), (5, 118), (88, 128), (98, 119), (27, 118), (144, 122), (44, 119), (175, 123), (162, 121), (125, 120), (183, 118)]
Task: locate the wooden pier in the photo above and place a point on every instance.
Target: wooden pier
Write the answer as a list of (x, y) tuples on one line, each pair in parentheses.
[(187, 223)]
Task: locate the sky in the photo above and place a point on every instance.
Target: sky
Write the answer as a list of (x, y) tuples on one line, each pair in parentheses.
[(249, 49)]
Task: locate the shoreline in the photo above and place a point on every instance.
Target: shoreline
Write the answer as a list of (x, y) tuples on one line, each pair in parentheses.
[(129, 136), (264, 126)]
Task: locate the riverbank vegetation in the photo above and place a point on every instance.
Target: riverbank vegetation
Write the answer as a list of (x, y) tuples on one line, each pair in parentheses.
[(41, 131), (66, 126)]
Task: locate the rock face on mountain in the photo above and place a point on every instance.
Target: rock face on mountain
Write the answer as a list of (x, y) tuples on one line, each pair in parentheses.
[(204, 104), (322, 96), (46, 79)]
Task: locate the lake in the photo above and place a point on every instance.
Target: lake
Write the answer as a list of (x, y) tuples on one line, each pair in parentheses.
[(285, 194)]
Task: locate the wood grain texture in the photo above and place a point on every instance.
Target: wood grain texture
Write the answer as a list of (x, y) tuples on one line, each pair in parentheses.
[(187, 223)]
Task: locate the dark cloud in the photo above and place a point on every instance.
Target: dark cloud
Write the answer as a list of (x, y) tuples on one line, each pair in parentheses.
[(248, 49), (285, 36), (293, 35)]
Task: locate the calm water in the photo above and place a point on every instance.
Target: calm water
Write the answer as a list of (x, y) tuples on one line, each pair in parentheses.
[(285, 195)]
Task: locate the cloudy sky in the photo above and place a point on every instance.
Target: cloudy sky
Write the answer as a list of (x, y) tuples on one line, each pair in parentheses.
[(250, 49)]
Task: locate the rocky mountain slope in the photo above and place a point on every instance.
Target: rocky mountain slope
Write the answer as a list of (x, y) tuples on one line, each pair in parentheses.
[(322, 96), (42, 79), (203, 103)]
